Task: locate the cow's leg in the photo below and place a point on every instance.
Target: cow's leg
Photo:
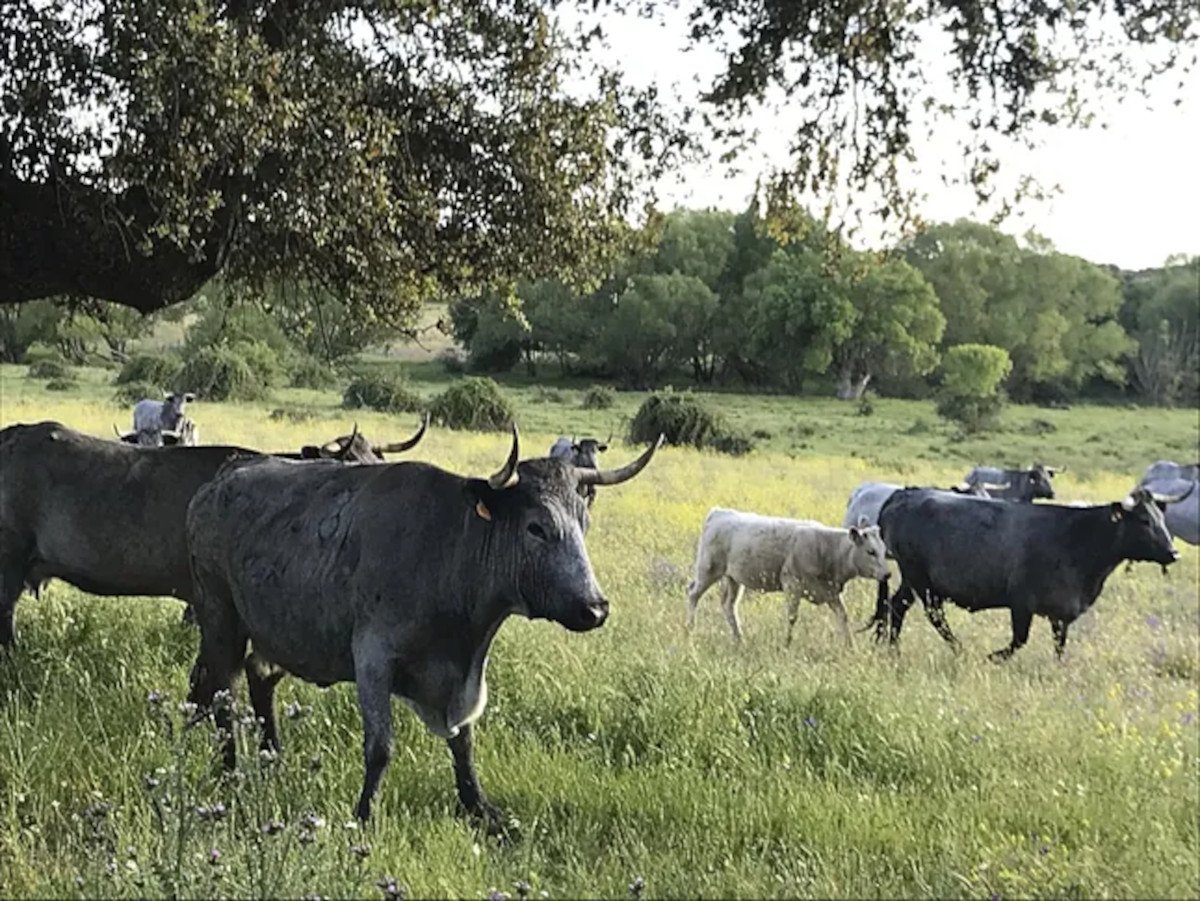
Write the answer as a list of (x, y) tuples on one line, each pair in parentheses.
[(470, 792), (373, 677), (1059, 628), (221, 657), (696, 588), (13, 563), (879, 620), (1021, 620), (839, 610), (794, 593), (261, 679), (897, 609), (731, 594), (935, 610)]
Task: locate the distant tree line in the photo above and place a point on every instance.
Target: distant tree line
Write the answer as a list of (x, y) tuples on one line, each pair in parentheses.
[(714, 298)]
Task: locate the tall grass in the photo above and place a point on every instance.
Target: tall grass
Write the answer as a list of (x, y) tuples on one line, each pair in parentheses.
[(637, 751)]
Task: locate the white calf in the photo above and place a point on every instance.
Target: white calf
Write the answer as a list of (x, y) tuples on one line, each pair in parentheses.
[(802, 558)]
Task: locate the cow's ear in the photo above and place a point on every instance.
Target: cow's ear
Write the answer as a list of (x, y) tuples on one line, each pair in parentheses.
[(855, 535), (1118, 512), (482, 498), (310, 452), (189, 397)]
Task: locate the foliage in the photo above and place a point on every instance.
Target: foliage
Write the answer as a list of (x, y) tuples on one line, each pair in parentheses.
[(598, 397), (684, 420), (392, 150), (61, 383), (51, 368), (23, 325), (159, 370), (311, 372), (243, 370), (492, 329), (1055, 314), (970, 393), (473, 403), (1161, 309), (129, 393), (381, 391)]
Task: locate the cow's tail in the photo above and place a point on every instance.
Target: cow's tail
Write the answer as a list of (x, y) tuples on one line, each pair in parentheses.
[(883, 608)]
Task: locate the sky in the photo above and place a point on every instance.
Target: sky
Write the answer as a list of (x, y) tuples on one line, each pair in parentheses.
[(1130, 193)]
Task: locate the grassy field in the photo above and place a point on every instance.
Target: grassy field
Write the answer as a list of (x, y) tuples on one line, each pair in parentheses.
[(639, 752)]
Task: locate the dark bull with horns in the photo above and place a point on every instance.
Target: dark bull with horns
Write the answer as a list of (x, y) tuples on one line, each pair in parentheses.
[(394, 577)]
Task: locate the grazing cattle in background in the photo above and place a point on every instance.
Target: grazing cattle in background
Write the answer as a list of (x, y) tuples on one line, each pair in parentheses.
[(1174, 480), (1023, 484), (1041, 559), (103, 516), (153, 417), (802, 558), (583, 453), (393, 577), (186, 435)]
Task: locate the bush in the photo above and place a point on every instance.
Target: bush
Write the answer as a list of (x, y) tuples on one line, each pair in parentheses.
[(130, 393), (309, 372), (242, 371), (381, 391), (472, 403), (974, 414), (684, 421), (62, 384), (970, 393), (598, 397), (51, 368), (153, 369), (453, 360)]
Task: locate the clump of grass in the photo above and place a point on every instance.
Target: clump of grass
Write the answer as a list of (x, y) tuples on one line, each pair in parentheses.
[(474, 403), (381, 391), (685, 421), (51, 368)]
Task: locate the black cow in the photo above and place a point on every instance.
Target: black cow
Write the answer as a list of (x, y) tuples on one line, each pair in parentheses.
[(393, 577), (584, 453), (1019, 484), (1033, 559), (108, 517)]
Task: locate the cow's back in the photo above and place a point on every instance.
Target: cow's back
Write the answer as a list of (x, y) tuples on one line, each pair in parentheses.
[(749, 547), (106, 516), (866, 501)]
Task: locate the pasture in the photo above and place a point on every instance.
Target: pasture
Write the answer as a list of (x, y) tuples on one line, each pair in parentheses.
[(640, 759)]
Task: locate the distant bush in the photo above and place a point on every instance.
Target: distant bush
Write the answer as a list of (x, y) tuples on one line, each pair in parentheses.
[(970, 393), (472, 403), (685, 421), (65, 384), (309, 372), (129, 394), (598, 397), (973, 414), (154, 369), (293, 414), (453, 360), (242, 371), (51, 368), (381, 391)]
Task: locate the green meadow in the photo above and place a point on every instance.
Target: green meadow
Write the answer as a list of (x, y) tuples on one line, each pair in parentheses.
[(640, 759)]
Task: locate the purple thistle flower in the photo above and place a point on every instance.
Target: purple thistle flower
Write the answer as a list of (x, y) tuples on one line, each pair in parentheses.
[(214, 857), (811, 722)]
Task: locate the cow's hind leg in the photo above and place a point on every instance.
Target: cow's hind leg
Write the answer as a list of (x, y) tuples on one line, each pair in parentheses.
[(470, 792), (704, 579), (221, 657), (13, 566), (897, 608), (261, 679), (731, 594), (1059, 628), (1021, 620), (373, 679)]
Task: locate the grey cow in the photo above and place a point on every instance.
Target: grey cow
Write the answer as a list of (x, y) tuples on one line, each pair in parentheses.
[(153, 417), (104, 516), (585, 453), (1168, 478), (1023, 484), (868, 498), (393, 577)]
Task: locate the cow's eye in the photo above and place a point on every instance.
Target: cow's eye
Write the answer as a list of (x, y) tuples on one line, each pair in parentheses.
[(871, 551), (537, 532)]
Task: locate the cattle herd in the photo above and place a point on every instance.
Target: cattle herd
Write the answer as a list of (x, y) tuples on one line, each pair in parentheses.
[(290, 562)]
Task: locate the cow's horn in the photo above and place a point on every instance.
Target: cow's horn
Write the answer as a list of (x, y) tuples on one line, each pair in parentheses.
[(624, 474), (400, 447), (1135, 497), (995, 486), (506, 477), (1170, 498), (117, 432), (344, 449)]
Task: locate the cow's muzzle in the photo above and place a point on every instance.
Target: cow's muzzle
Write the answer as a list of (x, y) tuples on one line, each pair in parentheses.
[(587, 616)]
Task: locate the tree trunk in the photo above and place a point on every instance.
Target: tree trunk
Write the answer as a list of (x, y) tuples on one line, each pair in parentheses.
[(852, 385)]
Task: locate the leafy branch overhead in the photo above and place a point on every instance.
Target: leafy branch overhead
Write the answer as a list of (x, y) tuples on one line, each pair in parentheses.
[(384, 152)]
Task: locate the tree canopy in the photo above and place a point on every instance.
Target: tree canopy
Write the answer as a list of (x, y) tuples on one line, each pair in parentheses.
[(387, 152)]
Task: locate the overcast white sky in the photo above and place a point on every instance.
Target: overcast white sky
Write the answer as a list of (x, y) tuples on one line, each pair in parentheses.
[(1130, 193)]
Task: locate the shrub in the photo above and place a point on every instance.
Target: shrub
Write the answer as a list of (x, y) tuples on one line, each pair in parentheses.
[(130, 393), (381, 391), (970, 393), (51, 368), (154, 369), (598, 397), (453, 360), (472, 403), (242, 371), (974, 414), (685, 421), (61, 384), (309, 372)]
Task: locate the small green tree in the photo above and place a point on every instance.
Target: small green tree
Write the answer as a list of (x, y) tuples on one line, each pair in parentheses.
[(970, 392)]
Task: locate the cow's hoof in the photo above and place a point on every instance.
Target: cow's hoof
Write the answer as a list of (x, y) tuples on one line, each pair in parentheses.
[(495, 823), (1000, 656)]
